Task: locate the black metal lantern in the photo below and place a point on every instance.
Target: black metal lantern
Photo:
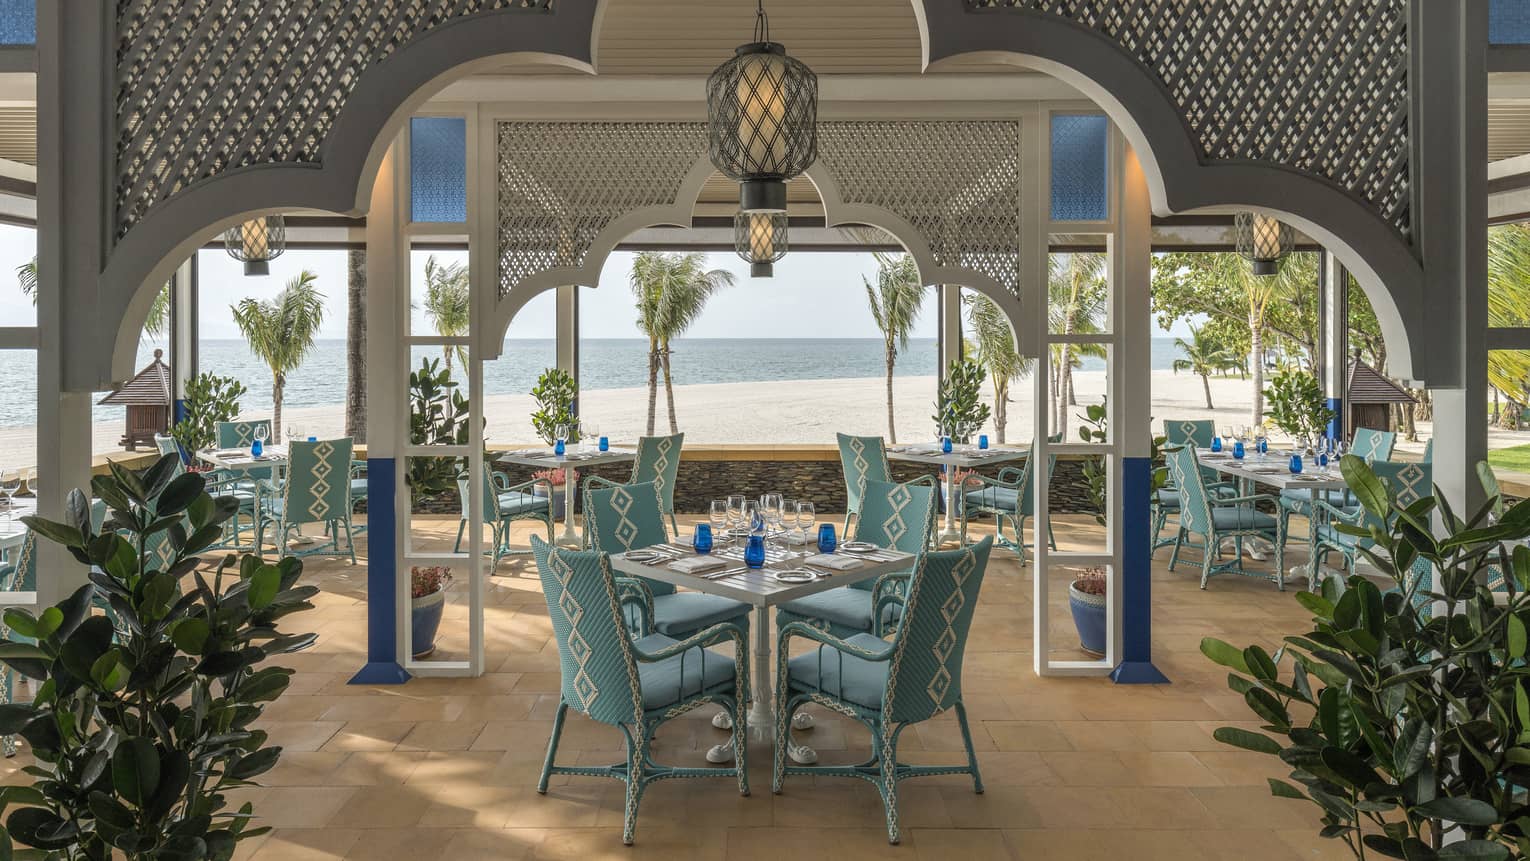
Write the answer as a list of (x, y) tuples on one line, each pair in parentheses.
[(761, 239), (762, 119), (257, 242), (1264, 240)]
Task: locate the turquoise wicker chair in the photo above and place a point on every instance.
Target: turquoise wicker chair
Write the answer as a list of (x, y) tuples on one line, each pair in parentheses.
[(1372, 446), (503, 504), (1007, 497), (889, 686), (628, 517), (635, 685), (1194, 432), (248, 486), (18, 574), (892, 515), (1406, 483), (658, 461), (1215, 518), (863, 459), (317, 490)]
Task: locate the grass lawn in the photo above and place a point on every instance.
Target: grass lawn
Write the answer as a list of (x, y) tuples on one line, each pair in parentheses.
[(1516, 458)]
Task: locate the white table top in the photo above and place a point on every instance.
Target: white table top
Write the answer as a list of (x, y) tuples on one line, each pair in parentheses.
[(12, 530), (756, 586), (1272, 470), (965, 456), (239, 459), (572, 457)]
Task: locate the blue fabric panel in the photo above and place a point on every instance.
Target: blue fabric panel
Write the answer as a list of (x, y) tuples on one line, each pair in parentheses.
[(18, 22), (1080, 167), (438, 169), (1509, 22)]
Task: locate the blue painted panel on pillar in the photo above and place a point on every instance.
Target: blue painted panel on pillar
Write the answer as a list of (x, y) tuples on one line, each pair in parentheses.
[(1080, 167), (1135, 579), (382, 579), (1509, 22), (1336, 424), (18, 22), (438, 169)]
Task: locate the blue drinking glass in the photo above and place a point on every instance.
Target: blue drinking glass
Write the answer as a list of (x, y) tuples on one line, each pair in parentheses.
[(754, 552), (559, 448), (945, 444), (702, 543), (1264, 446), (1238, 450), (826, 540), (983, 441), (256, 449), (605, 444), (1296, 464), (1322, 459), (1216, 443)]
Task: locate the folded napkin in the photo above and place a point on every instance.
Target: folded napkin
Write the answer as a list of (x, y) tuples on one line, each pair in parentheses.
[(836, 563), (697, 565)]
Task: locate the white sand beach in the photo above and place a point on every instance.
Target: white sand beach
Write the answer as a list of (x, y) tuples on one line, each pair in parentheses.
[(806, 411)]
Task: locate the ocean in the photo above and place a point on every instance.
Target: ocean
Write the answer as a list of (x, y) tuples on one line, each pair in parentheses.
[(605, 363)]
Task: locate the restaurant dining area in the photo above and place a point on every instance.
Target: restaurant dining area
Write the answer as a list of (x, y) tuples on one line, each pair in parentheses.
[(1094, 430)]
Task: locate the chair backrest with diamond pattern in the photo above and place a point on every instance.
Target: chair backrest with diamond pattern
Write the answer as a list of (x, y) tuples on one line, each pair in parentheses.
[(1196, 432), (599, 672), (241, 434), (1185, 473), (658, 461), (863, 458), (626, 517), (895, 515), (925, 675), (21, 573), (318, 487), (1373, 445)]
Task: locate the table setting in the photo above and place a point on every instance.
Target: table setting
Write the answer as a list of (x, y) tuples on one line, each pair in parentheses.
[(951, 456), (591, 449)]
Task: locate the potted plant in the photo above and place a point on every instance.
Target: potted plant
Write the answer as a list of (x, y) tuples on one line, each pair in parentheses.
[(959, 408), (554, 393), (438, 415), (1086, 599), (1296, 405), (210, 399), (559, 480), (427, 601)]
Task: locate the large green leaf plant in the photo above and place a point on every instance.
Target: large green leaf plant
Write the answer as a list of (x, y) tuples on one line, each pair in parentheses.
[(150, 679), (959, 407), (1404, 713)]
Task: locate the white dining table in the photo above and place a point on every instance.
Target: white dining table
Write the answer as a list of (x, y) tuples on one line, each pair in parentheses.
[(572, 459), (758, 588), (12, 531), (961, 457), (1273, 470)]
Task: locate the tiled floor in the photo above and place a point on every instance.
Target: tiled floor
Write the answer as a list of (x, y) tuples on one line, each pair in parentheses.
[(1075, 768)]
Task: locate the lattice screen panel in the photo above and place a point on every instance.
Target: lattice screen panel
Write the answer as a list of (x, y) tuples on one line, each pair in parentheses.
[(207, 86), (956, 182), (1320, 87), (560, 184)]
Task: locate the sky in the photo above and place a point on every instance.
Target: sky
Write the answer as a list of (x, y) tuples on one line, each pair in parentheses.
[(813, 295)]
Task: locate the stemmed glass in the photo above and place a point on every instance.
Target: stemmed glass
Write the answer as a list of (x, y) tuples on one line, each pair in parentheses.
[(754, 521), (1261, 441), (788, 517), (806, 517), (718, 514), (735, 514), (261, 434), (1227, 435), (10, 484), (770, 506)]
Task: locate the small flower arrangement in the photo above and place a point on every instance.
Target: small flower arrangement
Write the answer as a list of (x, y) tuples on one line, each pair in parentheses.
[(962, 476), (1091, 582), (555, 477), (428, 580)]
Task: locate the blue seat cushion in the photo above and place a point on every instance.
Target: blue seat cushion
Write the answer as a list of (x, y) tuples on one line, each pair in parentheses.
[(1169, 499), (691, 673), (1329, 535), (846, 607), (522, 503), (1240, 517), (681, 614), (359, 487), (847, 677), (997, 498)]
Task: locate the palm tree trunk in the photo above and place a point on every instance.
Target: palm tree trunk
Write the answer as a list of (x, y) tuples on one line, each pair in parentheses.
[(356, 347), (1000, 408), (1206, 382), (1256, 357), (446, 357), (1064, 382), (892, 429), (278, 383), (669, 389), (653, 383)]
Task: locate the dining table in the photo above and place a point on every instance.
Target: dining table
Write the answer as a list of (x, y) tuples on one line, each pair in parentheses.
[(240, 461), (1273, 470), (763, 588), (569, 462), (12, 531), (960, 457)]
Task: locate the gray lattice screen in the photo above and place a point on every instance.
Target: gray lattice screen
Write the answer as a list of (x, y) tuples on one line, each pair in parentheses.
[(1320, 87), (561, 184), (207, 86)]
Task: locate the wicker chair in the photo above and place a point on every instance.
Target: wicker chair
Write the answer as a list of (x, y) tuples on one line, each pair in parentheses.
[(503, 504), (1214, 519), (863, 459), (1007, 497)]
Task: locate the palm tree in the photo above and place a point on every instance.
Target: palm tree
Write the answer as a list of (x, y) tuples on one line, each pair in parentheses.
[(356, 346), (281, 332), (671, 291), (996, 352), (1077, 298), (895, 305), (1204, 356), (447, 304), (159, 312), (1509, 305)]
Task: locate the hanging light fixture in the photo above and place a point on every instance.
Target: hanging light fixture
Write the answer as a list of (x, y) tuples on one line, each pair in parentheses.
[(761, 239), (1264, 240), (762, 130), (257, 242)]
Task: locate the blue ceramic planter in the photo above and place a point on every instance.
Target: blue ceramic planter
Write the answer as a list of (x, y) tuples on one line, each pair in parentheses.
[(424, 621), (1089, 618)]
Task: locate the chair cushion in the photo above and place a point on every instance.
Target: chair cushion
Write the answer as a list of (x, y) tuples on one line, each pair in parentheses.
[(681, 614), (1239, 517), (522, 503), (855, 680), (1169, 499), (846, 606), (998, 498), (692, 672), (1329, 535), (359, 487)]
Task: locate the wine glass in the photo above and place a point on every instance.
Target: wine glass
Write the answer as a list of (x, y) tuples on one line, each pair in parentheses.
[(10, 484), (560, 434), (735, 512), (1227, 434), (261, 433), (788, 516), (292, 433), (754, 521), (806, 517), (718, 514)]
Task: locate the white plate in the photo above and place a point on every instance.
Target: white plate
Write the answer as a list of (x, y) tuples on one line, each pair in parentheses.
[(859, 547), (795, 575), (642, 555)]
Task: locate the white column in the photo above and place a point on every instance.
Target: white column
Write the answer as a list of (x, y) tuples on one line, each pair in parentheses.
[(1333, 341), (950, 325), (566, 325), (184, 331)]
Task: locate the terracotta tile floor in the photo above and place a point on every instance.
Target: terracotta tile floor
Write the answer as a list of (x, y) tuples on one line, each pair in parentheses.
[(1076, 768)]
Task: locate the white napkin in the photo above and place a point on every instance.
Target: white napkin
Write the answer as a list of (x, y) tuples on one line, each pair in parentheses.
[(697, 564), (836, 563)]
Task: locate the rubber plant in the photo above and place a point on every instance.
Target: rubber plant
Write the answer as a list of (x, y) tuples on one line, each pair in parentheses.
[(151, 678), (1404, 714), (1095, 428), (438, 415), (1296, 404), (554, 393), (959, 407), (209, 399)]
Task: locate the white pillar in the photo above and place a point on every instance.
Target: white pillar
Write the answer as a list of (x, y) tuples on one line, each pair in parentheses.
[(950, 336), (566, 325), (1333, 341), (185, 333)]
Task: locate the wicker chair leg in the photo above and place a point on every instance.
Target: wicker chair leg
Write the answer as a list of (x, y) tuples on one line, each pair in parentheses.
[(972, 763), (552, 746)]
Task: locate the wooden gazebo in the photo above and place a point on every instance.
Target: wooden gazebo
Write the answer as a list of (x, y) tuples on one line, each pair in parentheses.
[(147, 398), (1370, 398)]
